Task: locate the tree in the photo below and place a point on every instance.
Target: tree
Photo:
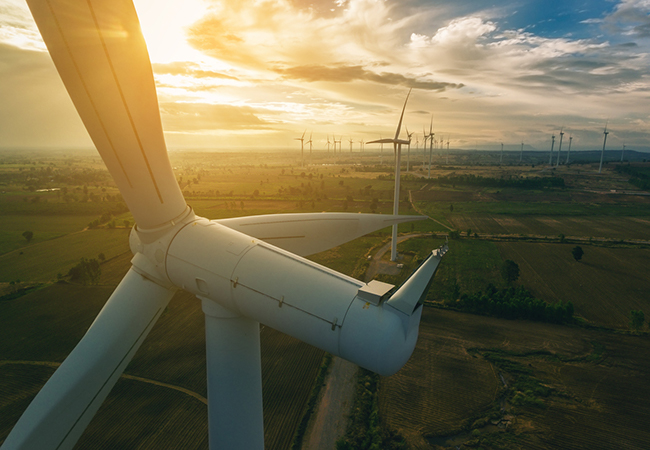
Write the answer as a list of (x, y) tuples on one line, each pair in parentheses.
[(637, 318), (562, 238), (451, 208), (510, 271), (28, 235), (86, 272), (577, 253)]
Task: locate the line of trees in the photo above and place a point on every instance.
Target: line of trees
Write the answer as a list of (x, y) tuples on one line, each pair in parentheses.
[(521, 183), (638, 176), (515, 303)]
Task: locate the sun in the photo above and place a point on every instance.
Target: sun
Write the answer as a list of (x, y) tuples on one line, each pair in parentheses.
[(164, 24)]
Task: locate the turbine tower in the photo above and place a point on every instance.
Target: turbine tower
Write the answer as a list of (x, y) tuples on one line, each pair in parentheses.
[(241, 280), (351, 141), (569, 150), (602, 153), (431, 135), (310, 143), (521, 152), (550, 158), (501, 159), (397, 147), (328, 143), (448, 136), (408, 151), (559, 148), (302, 148), (623, 151)]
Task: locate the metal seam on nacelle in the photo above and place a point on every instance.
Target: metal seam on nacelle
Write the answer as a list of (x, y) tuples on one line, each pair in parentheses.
[(306, 262), (282, 302)]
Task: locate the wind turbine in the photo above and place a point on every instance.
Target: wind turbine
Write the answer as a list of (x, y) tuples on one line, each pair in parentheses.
[(397, 147), (559, 149), (602, 154), (328, 143), (424, 148), (569, 150), (241, 280), (351, 141), (431, 135), (448, 136), (521, 152), (302, 147), (501, 159), (550, 159), (338, 142), (408, 152), (623, 151), (309, 142)]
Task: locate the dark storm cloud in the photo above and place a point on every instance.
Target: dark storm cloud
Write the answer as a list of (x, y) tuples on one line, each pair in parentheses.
[(347, 73)]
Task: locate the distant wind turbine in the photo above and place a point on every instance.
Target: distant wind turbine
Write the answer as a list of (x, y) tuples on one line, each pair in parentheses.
[(448, 136), (501, 159), (559, 149), (623, 151), (310, 143), (569, 150), (408, 151), (328, 143), (550, 159), (302, 147), (521, 153), (602, 154), (431, 135), (351, 141), (397, 147)]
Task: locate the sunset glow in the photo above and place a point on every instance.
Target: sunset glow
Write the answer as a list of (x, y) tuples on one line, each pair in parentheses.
[(256, 74)]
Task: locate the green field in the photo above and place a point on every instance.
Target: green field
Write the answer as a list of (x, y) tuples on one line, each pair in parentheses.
[(42, 261), (465, 367)]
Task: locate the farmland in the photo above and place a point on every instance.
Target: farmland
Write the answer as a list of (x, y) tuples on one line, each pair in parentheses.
[(586, 381), (594, 397)]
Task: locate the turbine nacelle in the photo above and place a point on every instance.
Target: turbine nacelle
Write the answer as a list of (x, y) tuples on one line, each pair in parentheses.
[(373, 325)]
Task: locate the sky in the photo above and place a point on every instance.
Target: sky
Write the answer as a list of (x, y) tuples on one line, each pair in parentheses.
[(258, 74)]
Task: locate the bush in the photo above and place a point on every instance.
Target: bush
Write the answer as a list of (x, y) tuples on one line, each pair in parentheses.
[(510, 271), (577, 253)]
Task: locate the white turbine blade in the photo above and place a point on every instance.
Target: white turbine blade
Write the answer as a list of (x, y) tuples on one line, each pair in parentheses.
[(399, 125), (101, 56), (60, 412), (381, 141), (309, 233)]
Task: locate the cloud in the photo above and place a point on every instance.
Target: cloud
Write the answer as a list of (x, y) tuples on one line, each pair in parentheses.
[(345, 73), (17, 28), (630, 17), (202, 117), (186, 68)]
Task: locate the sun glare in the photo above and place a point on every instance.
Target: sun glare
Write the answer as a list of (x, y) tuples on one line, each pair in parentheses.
[(163, 25)]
